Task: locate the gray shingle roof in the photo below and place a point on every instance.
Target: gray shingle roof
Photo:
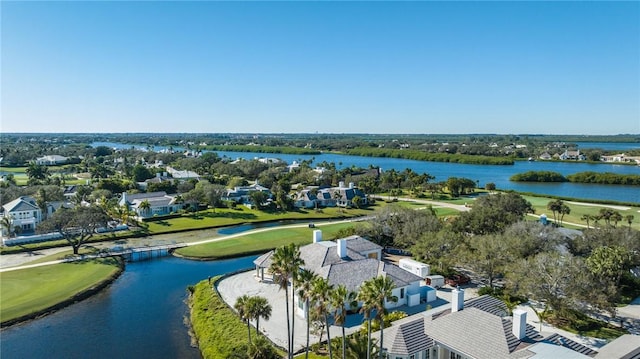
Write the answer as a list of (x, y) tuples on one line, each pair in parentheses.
[(406, 336), (20, 204), (471, 331), (322, 258), (360, 244), (558, 339), (400, 277)]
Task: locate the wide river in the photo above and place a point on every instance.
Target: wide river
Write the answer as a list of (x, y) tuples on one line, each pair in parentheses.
[(141, 315), (482, 173)]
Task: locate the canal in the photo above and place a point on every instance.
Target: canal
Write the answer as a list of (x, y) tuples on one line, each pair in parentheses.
[(141, 315)]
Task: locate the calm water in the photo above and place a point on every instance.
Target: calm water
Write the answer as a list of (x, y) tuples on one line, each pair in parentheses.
[(482, 173), (139, 316)]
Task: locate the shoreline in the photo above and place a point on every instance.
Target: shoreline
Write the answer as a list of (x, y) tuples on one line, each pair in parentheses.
[(78, 297)]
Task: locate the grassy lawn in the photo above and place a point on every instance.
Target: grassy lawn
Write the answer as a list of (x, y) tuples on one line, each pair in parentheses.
[(227, 335), (578, 210), (226, 217), (258, 242), (28, 291)]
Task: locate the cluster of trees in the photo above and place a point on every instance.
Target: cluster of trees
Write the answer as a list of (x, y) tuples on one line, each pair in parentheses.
[(538, 176), (580, 177), (531, 260), (429, 156), (604, 178)]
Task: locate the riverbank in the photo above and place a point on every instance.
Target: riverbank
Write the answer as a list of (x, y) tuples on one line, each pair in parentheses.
[(34, 292)]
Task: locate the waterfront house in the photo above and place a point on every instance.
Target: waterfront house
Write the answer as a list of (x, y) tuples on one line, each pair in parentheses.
[(621, 157), (351, 261), (159, 203), (574, 155)]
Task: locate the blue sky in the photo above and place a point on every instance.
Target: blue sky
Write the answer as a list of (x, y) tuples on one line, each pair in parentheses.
[(327, 67)]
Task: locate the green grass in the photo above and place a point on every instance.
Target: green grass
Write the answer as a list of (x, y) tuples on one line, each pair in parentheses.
[(257, 242), (218, 329), (32, 290), (241, 214), (577, 211)]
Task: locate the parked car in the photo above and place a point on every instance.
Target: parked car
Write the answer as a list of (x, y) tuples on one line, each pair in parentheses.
[(457, 279)]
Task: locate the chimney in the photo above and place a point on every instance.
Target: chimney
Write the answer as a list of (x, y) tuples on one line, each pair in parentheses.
[(158, 174), (341, 184), (342, 248), (457, 300), (519, 327), (351, 185), (317, 236)]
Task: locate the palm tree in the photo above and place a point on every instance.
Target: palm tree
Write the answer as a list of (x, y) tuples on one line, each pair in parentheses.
[(357, 346), (305, 292), (285, 262), (365, 295), (41, 200), (322, 298), (260, 308), (144, 206), (379, 290), (586, 218), (342, 300), (629, 219), (243, 306), (36, 173), (7, 224)]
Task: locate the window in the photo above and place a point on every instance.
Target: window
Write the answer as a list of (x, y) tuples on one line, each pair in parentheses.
[(427, 354), (412, 356), (401, 293)]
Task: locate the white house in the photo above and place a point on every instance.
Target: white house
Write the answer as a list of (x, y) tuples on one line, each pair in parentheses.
[(24, 213), (160, 203), (50, 160), (572, 155), (350, 261)]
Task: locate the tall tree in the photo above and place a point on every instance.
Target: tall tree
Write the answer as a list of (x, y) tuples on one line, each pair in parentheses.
[(380, 291), (259, 308), (42, 199), (75, 225), (286, 261), (342, 300), (36, 173), (556, 280), (7, 225), (305, 292), (145, 207), (322, 302), (488, 255), (243, 306)]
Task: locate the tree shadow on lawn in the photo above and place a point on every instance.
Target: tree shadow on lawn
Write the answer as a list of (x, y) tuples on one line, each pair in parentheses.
[(231, 215)]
